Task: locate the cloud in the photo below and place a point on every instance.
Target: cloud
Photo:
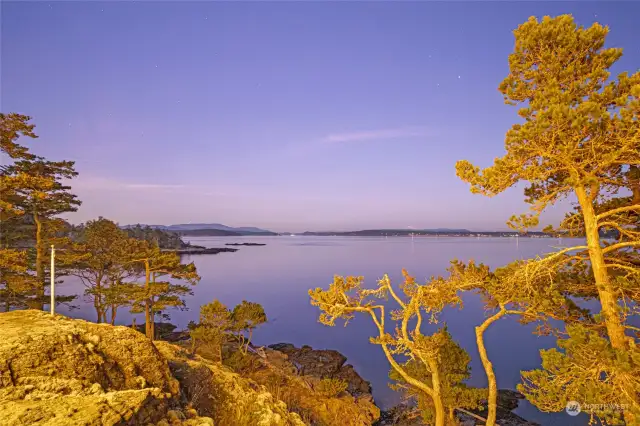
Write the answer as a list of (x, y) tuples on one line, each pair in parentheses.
[(397, 133), (84, 182), (151, 186)]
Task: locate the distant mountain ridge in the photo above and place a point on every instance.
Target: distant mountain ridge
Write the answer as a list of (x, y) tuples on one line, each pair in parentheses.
[(209, 229)]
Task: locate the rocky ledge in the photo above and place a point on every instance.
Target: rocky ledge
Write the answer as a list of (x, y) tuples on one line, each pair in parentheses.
[(324, 364), (57, 371)]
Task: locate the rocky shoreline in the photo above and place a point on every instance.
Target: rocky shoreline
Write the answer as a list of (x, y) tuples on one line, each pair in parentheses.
[(331, 364), (63, 371)]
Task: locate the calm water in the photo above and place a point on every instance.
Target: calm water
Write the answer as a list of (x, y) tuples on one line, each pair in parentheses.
[(279, 274)]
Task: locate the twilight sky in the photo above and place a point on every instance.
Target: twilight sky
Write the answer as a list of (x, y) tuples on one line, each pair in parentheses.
[(285, 115)]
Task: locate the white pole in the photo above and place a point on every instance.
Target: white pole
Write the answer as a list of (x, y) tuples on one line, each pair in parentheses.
[(53, 280)]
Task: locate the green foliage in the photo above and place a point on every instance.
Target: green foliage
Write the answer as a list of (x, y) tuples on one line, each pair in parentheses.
[(587, 369), (246, 317), (241, 363), (453, 364), (331, 388), (17, 286), (215, 322)]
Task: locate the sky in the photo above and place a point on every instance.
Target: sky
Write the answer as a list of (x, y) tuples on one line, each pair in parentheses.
[(289, 116)]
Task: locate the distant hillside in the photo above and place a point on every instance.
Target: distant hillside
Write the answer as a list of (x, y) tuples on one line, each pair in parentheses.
[(208, 233), (382, 232), (210, 229)]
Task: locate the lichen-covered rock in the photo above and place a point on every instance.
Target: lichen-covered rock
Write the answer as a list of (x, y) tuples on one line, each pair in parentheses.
[(228, 398), (57, 371), (128, 407), (36, 344)]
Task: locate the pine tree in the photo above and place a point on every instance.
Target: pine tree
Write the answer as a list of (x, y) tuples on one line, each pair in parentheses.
[(579, 134), (32, 187)]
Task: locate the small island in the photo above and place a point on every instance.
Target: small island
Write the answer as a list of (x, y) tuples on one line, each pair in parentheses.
[(245, 244)]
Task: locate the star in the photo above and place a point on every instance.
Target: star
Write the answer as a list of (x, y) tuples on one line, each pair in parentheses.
[(156, 66), (459, 77)]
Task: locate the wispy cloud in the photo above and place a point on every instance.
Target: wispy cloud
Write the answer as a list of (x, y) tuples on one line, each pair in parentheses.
[(151, 186), (84, 182), (397, 133)]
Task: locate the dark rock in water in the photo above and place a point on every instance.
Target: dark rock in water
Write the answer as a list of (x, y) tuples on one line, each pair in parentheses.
[(400, 415), (324, 364), (406, 414), (244, 244), (192, 250), (165, 331)]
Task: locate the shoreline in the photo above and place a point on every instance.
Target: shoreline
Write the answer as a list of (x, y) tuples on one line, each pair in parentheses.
[(202, 250)]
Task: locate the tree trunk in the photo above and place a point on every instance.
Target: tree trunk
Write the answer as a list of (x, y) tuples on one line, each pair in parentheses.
[(451, 416), (153, 320), (114, 310), (40, 252), (492, 400), (96, 298), (606, 293), (437, 394), (248, 340), (147, 303)]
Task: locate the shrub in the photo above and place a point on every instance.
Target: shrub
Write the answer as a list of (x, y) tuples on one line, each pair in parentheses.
[(331, 387)]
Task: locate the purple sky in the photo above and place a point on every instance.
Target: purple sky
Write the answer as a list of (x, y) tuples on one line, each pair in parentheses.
[(285, 115)]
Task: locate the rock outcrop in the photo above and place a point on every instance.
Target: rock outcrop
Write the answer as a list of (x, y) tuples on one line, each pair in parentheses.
[(323, 363), (222, 394), (301, 390), (59, 371)]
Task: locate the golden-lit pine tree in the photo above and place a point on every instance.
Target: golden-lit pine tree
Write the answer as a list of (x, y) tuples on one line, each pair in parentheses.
[(533, 290), (215, 322), (580, 133), (95, 257), (346, 296), (246, 317), (17, 286), (33, 190), (454, 371), (580, 136), (158, 295)]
